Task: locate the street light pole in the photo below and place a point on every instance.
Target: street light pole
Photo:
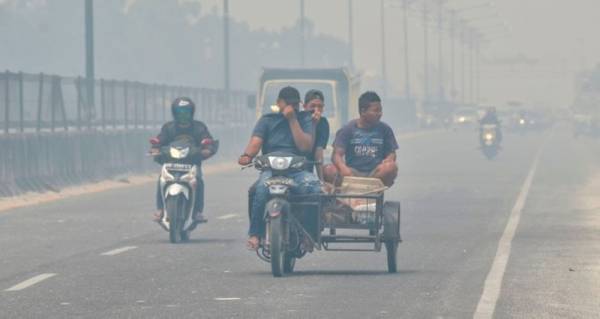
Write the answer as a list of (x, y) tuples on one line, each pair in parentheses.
[(227, 84), (452, 54), (406, 59), (89, 52), (302, 34), (351, 33), (425, 55), (441, 95), (383, 62), (463, 40)]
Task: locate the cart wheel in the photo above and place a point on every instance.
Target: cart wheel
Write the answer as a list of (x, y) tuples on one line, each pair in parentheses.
[(392, 260), (391, 221), (391, 233)]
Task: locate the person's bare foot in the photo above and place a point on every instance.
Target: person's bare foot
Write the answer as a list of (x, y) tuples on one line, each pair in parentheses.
[(253, 243)]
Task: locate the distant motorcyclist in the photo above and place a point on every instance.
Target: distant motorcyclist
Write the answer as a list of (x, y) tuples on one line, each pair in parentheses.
[(184, 127), (491, 118), (290, 131), (314, 103)]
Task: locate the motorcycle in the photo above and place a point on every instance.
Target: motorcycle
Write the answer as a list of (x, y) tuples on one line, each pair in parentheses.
[(284, 239), (489, 140), (178, 183)]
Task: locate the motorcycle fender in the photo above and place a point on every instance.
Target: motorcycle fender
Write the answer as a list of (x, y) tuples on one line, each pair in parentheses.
[(276, 207), (176, 189)]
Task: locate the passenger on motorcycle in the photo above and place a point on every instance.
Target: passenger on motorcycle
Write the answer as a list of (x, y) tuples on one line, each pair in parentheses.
[(290, 131), (365, 147), (314, 103), (184, 127)]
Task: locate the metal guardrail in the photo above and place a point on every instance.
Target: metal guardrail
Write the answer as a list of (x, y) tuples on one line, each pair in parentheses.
[(41, 102), (51, 137)]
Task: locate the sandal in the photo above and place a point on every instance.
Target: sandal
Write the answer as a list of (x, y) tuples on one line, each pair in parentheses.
[(253, 243)]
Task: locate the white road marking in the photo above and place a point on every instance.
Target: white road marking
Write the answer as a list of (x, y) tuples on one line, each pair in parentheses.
[(30, 282), (228, 216), (118, 251), (227, 299), (493, 282)]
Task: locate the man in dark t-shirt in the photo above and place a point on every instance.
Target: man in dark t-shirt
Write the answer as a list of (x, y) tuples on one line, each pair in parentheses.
[(314, 103), (289, 131), (365, 147)]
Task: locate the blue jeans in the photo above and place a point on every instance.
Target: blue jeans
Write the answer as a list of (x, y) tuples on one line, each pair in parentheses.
[(304, 183)]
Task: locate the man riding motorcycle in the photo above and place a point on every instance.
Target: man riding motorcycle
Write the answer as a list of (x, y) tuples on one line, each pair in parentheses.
[(289, 131), (491, 118), (184, 127)]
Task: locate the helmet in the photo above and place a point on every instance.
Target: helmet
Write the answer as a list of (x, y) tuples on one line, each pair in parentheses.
[(183, 109), (491, 110)]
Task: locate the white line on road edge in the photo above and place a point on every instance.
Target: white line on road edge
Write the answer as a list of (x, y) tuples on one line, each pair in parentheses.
[(226, 299), (30, 282), (493, 282), (228, 216), (118, 251)]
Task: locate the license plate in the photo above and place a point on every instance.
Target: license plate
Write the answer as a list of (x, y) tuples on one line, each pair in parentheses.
[(178, 167)]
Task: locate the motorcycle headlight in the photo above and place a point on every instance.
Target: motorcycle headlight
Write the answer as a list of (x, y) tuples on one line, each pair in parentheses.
[(279, 163), (165, 176), (462, 119), (521, 121), (190, 176), (489, 136), (179, 154)]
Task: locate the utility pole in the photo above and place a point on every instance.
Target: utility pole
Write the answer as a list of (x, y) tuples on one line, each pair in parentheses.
[(452, 55), (383, 62), (406, 59), (227, 84), (463, 40), (441, 95), (351, 33), (425, 55), (302, 34), (89, 53), (471, 60)]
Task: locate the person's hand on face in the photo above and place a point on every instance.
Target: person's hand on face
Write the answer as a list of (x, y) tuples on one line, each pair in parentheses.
[(316, 107), (288, 112)]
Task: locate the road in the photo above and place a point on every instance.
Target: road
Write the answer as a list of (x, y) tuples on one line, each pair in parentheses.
[(479, 240)]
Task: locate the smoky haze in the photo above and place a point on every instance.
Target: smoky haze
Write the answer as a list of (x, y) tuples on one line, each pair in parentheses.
[(180, 42)]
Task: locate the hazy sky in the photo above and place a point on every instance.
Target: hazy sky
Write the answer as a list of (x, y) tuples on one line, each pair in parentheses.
[(557, 39), (561, 35)]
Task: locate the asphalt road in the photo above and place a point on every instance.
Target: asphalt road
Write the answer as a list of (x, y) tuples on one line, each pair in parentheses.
[(477, 241)]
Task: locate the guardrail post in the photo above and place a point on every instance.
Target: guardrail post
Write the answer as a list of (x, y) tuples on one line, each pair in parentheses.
[(40, 102), (7, 102), (126, 104), (102, 104), (21, 104), (144, 107)]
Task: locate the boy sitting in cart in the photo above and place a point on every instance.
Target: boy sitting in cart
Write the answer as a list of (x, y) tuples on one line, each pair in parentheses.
[(365, 147)]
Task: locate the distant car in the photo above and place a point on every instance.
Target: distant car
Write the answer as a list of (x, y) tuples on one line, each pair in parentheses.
[(465, 117)]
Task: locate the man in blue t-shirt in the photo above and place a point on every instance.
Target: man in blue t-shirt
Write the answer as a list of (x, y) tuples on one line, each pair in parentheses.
[(290, 131), (365, 147)]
